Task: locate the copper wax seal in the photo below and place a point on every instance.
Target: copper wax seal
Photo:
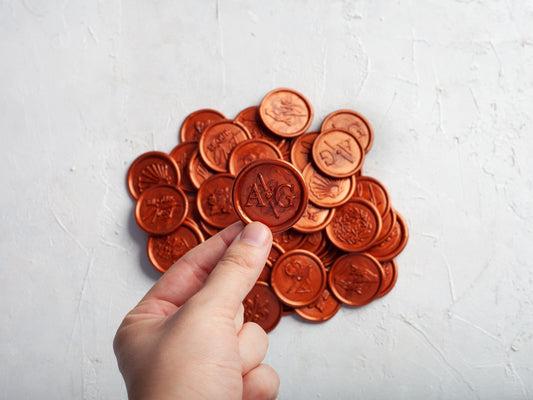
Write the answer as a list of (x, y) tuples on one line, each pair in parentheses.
[(355, 278), (262, 306), (182, 154), (272, 192), (337, 153), (375, 192), (355, 226), (298, 278), (197, 170), (390, 275), (251, 150), (152, 169), (196, 123), (314, 219), (161, 209), (394, 243), (286, 112), (301, 150), (289, 240), (251, 119), (327, 192), (218, 140), (352, 122), (322, 309), (214, 201), (164, 251)]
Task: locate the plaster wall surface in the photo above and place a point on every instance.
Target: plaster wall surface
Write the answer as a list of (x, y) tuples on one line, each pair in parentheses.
[(86, 87)]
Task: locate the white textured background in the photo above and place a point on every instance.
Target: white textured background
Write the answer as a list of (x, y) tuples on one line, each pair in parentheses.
[(87, 86)]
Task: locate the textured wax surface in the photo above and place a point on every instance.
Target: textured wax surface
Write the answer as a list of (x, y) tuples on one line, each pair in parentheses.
[(86, 87)]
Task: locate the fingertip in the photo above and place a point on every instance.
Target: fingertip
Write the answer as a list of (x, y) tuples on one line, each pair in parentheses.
[(261, 383), (256, 234)]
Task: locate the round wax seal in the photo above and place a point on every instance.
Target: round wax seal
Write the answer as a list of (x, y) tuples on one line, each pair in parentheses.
[(286, 112), (251, 119), (152, 169), (161, 209), (355, 278), (246, 152), (272, 192), (218, 140), (164, 251), (394, 243), (355, 226), (314, 219), (300, 154), (337, 153), (320, 310), (195, 124), (198, 171), (262, 307), (214, 201), (327, 192), (298, 278), (375, 192), (390, 269), (352, 122), (182, 154)]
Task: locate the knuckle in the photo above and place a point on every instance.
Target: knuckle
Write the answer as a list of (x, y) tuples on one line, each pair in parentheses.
[(259, 333), (237, 260)]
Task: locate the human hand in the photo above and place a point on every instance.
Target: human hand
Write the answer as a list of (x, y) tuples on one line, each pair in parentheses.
[(186, 338)]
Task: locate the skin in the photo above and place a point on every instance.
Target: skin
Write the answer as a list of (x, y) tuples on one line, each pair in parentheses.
[(186, 338)]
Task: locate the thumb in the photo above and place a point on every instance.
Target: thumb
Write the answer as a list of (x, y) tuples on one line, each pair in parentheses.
[(238, 269)]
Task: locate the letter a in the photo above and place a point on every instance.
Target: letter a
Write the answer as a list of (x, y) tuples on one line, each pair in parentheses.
[(255, 195)]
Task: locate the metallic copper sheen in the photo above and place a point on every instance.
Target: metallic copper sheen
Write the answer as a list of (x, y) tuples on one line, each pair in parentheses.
[(246, 152), (394, 243), (375, 192), (355, 226), (390, 269), (262, 307), (352, 122), (214, 201), (195, 124), (355, 278), (337, 153), (270, 191), (314, 219), (197, 170), (164, 251), (327, 192), (275, 252), (151, 169), (290, 239), (218, 140), (286, 112), (182, 154), (322, 309), (301, 150), (251, 119), (161, 209), (298, 278)]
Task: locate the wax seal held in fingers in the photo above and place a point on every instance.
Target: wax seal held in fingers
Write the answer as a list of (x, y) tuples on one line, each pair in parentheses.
[(272, 192)]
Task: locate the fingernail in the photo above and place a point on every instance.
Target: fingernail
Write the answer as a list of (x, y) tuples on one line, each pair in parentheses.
[(256, 234)]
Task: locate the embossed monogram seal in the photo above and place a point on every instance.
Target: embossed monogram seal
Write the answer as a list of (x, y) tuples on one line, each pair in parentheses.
[(272, 192)]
